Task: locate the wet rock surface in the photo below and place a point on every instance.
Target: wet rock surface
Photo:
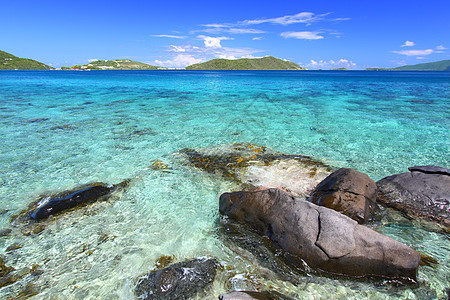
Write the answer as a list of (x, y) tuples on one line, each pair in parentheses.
[(250, 295), (258, 166), (178, 281), (53, 204), (325, 239), (424, 192), (349, 192)]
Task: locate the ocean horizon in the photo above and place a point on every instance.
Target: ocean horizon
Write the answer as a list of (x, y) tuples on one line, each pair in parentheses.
[(63, 129)]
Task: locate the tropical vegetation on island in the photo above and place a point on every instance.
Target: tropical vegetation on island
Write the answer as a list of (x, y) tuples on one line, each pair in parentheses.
[(115, 64), (11, 62), (264, 63), (443, 65)]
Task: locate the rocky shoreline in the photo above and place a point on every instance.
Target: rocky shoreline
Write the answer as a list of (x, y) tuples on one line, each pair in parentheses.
[(302, 216)]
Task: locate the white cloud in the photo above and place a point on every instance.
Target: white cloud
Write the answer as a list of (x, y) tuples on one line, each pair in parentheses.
[(174, 48), (179, 61), (213, 42), (218, 29), (92, 59), (303, 35), (257, 38), (244, 31), (303, 17), (415, 52), (170, 36), (331, 64), (441, 47), (408, 44)]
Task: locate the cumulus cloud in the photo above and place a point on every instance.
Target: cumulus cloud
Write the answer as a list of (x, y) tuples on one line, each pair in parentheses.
[(303, 35), (257, 38), (408, 44), (92, 59), (213, 42), (441, 47), (331, 64), (179, 61), (170, 36), (415, 52)]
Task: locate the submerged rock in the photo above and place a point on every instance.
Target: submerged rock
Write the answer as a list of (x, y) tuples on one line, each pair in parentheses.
[(349, 192), (258, 166), (69, 199), (323, 238), (423, 193), (179, 281), (250, 295), (51, 205)]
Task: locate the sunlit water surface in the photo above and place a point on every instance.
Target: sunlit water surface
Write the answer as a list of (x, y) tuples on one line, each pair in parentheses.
[(60, 129)]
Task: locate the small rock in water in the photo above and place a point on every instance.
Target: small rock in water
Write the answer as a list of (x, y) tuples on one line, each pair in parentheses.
[(158, 165), (69, 199), (178, 281), (250, 295), (13, 247)]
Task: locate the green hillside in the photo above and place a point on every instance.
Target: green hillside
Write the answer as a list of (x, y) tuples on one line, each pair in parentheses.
[(116, 64), (443, 65), (11, 62), (265, 63)]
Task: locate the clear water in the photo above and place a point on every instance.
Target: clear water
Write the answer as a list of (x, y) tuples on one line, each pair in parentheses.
[(60, 129)]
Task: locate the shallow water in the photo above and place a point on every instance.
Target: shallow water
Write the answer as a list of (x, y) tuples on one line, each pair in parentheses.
[(60, 129)]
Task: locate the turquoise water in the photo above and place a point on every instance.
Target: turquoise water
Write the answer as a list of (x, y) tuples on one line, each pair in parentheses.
[(60, 129)]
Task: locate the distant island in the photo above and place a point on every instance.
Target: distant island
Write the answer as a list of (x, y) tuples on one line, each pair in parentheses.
[(115, 64), (11, 62), (265, 63), (443, 65)]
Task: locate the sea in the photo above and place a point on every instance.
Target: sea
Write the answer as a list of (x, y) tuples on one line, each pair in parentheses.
[(63, 129)]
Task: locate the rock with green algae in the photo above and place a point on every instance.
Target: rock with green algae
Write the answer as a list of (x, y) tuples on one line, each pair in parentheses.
[(258, 166)]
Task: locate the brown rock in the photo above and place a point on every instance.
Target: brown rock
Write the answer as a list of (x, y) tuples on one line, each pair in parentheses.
[(349, 192)]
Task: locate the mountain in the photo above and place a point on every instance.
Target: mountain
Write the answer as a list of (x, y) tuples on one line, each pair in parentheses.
[(443, 65), (115, 64), (265, 63), (11, 62)]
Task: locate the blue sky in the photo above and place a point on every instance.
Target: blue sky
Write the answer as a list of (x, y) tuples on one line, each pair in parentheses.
[(315, 34)]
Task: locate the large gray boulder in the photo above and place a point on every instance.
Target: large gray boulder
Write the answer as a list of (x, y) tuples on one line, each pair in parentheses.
[(323, 238), (424, 192), (349, 192)]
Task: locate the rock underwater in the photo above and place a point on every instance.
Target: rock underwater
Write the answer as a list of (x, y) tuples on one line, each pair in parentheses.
[(55, 204), (424, 192), (323, 238), (349, 192), (251, 165), (178, 281)]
